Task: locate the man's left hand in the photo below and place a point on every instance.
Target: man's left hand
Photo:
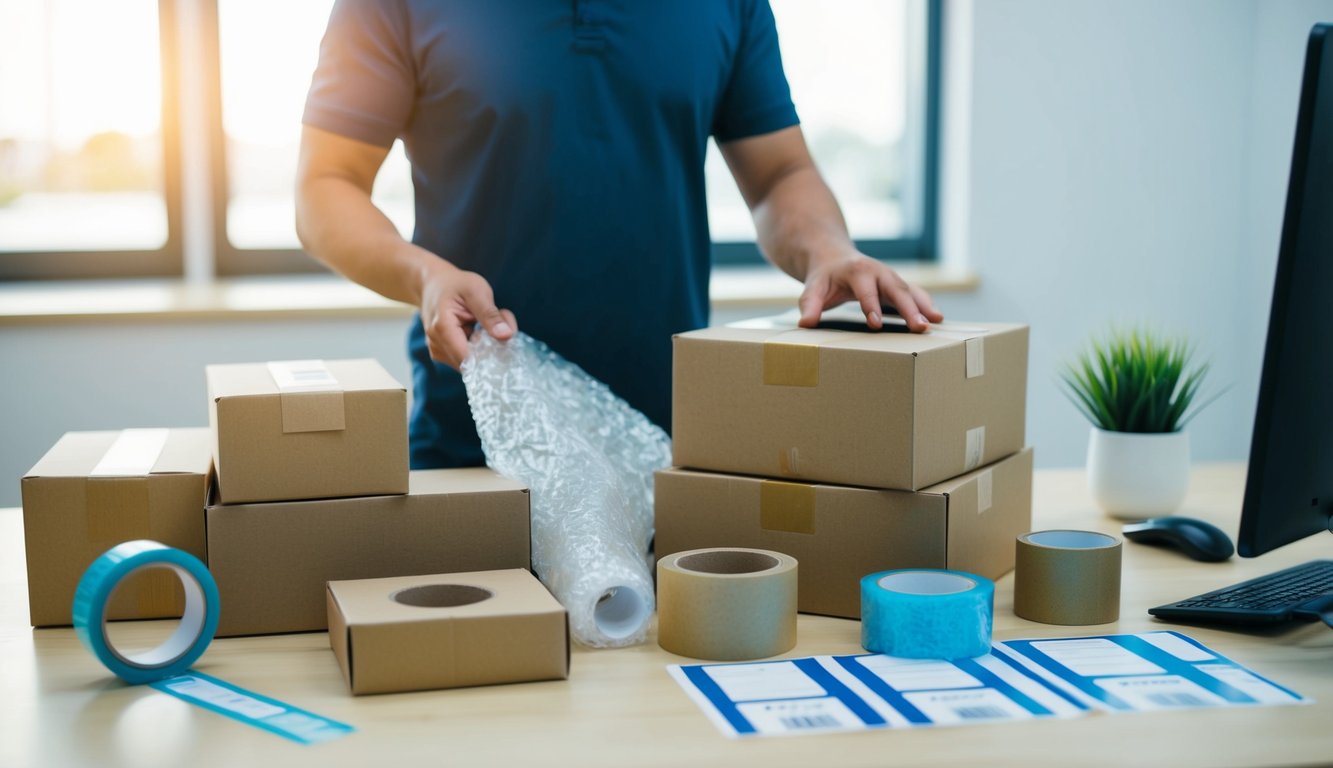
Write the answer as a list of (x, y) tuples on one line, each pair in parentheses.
[(855, 276)]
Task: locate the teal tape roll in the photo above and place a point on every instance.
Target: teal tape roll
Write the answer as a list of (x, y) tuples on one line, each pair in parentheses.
[(927, 614), (186, 644)]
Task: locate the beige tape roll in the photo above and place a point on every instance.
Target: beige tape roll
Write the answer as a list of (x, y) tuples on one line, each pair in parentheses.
[(1067, 577), (726, 604)]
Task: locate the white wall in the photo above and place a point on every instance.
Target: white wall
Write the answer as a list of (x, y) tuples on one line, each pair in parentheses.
[(1111, 159), (1127, 163)]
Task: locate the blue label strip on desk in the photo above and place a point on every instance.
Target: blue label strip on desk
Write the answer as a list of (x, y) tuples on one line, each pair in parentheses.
[(1146, 672), (252, 709), (1017, 680)]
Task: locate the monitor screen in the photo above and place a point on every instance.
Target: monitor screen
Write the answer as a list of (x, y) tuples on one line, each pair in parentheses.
[(1289, 489)]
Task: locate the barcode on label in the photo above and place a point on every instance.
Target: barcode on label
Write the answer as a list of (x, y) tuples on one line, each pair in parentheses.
[(1176, 700), (801, 722), (980, 713)]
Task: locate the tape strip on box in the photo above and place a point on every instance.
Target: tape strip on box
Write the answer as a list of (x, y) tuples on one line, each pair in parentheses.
[(985, 491), (133, 453), (791, 365), (976, 356), (312, 398), (974, 448), (788, 507)]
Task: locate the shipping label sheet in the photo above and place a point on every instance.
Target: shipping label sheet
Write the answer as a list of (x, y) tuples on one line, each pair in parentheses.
[(1017, 680)]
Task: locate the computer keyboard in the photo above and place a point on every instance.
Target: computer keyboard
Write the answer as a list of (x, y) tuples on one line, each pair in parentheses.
[(1303, 592)]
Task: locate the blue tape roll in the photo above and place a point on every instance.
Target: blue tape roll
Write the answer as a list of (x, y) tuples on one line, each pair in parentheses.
[(185, 645), (927, 614)]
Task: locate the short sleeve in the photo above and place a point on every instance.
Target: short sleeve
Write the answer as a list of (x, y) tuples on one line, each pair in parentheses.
[(757, 99), (364, 86)]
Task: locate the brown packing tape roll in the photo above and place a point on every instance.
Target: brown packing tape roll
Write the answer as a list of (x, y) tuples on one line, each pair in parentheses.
[(726, 604), (1067, 577)]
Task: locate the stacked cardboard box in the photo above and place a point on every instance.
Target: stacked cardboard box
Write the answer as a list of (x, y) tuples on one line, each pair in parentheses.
[(853, 451), (313, 486)]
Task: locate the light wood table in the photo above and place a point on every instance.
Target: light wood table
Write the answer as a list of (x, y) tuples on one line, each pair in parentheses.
[(619, 707)]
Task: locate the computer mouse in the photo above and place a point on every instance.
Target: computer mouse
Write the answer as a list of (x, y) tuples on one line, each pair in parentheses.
[(1195, 538)]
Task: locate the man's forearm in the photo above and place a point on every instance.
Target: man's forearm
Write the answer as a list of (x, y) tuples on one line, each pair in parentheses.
[(340, 226), (798, 221)]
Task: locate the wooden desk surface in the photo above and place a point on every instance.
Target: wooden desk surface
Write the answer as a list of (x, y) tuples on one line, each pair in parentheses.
[(60, 707)]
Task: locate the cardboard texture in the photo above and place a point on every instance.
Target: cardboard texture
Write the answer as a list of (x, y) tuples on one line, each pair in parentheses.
[(882, 410), (446, 631), (839, 534), (80, 500), (271, 561), (307, 430)]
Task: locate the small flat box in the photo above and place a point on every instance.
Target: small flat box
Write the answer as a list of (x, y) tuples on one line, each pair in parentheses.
[(840, 533), (446, 631), (307, 429)]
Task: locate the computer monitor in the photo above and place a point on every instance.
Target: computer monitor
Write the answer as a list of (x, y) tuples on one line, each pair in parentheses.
[(1289, 489)]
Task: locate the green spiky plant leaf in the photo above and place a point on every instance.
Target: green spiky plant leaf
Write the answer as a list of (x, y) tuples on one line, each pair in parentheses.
[(1136, 381)]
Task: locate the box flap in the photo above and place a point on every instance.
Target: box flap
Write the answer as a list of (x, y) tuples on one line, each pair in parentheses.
[(187, 451), (256, 379), (78, 454), (423, 482), (367, 602)]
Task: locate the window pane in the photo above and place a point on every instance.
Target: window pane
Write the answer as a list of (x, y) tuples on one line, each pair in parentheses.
[(269, 51), (854, 67), (81, 131)]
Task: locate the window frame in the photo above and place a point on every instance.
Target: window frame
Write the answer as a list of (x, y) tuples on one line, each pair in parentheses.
[(166, 261)]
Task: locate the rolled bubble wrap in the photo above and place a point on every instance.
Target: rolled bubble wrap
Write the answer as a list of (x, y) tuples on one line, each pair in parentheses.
[(588, 459)]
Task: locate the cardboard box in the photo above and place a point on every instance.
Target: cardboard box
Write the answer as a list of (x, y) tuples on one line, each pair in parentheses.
[(834, 405), (307, 429), (94, 490), (271, 561), (839, 534), (446, 631)]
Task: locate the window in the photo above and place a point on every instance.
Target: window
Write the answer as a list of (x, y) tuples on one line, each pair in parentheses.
[(87, 175), (89, 165), (863, 75)]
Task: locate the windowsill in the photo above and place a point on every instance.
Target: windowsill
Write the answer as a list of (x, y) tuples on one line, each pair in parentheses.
[(327, 296)]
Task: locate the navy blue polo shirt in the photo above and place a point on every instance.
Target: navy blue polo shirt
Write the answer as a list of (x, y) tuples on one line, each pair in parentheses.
[(557, 149)]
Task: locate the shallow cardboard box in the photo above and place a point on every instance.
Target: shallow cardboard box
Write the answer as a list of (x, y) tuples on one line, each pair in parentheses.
[(835, 405), (71, 516), (446, 631), (271, 561), (304, 435), (839, 534)]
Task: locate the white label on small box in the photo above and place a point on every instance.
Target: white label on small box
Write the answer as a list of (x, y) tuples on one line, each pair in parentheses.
[(985, 486), (976, 356), (133, 454), (975, 448), (303, 376)]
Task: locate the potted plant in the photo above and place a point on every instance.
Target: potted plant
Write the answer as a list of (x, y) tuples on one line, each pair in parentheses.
[(1139, 390)]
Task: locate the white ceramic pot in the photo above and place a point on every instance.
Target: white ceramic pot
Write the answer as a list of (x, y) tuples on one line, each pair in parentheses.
[(1136, 475)]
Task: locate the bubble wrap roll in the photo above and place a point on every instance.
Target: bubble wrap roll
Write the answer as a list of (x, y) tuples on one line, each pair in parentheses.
[(588, 459)]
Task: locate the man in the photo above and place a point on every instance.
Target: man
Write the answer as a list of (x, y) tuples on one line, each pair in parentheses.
[(557, 151)]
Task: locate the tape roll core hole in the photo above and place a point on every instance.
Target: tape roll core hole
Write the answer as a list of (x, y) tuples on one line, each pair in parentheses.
[(441, 595), (620, 612), (1071, 539), (728, 562), (178, 643), (926, 583)]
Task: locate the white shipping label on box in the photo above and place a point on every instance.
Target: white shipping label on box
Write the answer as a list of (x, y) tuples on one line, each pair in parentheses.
[(303, 376)]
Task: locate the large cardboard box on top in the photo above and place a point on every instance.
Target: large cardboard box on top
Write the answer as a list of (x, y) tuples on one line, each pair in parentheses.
[(840, 534), (839, 404), (447, 631), (271, 561), (307, 429), (94, 490)]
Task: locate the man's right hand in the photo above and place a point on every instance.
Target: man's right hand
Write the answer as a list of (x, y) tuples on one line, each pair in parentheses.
[(452, 303)]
